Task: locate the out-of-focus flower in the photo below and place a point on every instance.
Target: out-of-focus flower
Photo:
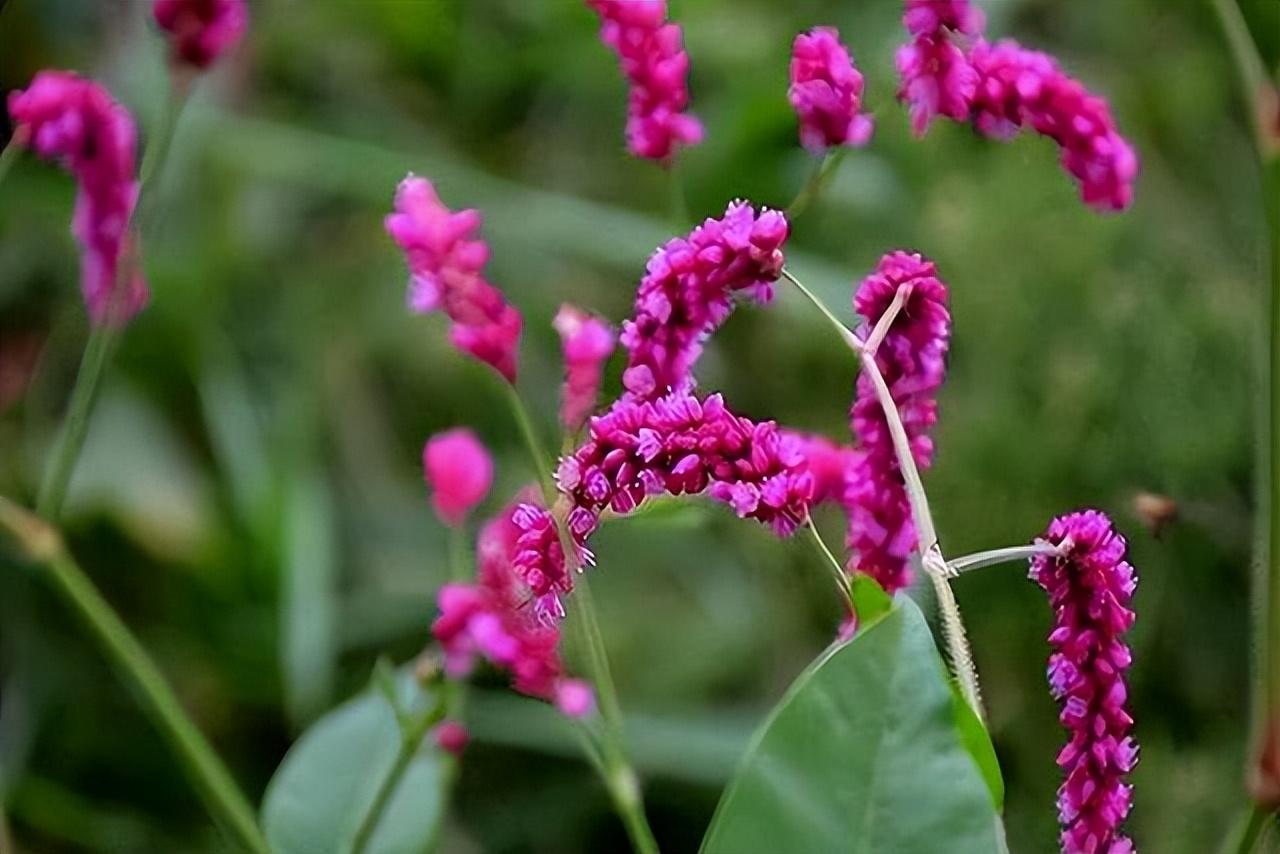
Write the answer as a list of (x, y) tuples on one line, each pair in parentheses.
[(826, 92), (912, 359), (200, 31), (451, 737), (831, 465), (937, 80), (657, 68), (1019, 88), (493, 619), (459, 471), (67, 118), (446, 262), (927, 16), (687, 292), (682, 446), (587, 342), (1090, 587)]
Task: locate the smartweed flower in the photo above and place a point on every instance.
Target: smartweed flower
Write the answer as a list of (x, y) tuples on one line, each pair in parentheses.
[(200, 31), (826, 92), (586, 342)]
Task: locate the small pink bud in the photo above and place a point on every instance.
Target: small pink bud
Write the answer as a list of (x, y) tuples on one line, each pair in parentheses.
[(459, 470), (575, 698), (201, 30), (451, 737)]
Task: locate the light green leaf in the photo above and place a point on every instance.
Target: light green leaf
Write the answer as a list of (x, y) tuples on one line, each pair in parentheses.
[(976, 739), (863, 754), (326, 782)]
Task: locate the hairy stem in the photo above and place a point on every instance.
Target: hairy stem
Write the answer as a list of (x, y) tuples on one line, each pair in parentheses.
[(41, 544), (411, 738), (53, 489), (980, 560)]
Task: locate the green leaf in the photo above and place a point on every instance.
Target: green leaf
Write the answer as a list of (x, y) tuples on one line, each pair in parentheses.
[(976, 740), (863, 754), (870, 601), (326, 782)]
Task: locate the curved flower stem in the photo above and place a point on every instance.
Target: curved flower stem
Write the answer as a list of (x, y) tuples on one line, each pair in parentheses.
[(411, 737), (1250, 69), (1248, 833), (837, 571), (980, 560), (157, 152), (42, 545), (843, 331), (616, 770), (818, 178), (53, 489)]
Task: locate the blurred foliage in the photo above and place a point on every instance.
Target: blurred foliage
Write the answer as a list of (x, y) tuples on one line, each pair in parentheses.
[(250, 497)]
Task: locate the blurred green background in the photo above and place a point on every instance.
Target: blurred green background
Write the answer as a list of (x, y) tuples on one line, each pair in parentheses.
[(251, 501)]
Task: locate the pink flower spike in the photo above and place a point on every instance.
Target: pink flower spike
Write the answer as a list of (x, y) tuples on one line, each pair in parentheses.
[(446, 262), (575, 698), (451, 737), (657, 69), (688, 290), (459, 470), (75, 121), (201, 31), (826, 92), (587, 342), (1090, 587), (912, 360)]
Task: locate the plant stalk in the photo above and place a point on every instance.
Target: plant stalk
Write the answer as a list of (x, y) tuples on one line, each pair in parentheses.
[(1246, 835), (837, 571), (843, 331), (818, 178), (537, 453), (42, 544), (981, 560), (53, 489)]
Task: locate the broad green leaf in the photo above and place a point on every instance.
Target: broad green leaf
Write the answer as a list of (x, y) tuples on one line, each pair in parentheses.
[(326, 782), (863, 754), (976, 739), (869, 599)]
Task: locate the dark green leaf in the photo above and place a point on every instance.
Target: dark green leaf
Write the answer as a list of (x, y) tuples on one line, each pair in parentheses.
[(326, 782), (862, 755)]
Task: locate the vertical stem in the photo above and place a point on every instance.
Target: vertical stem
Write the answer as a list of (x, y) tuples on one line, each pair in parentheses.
[(1246, 835), (410, 740), (53, 489), (458, 553), (536, 451), (157, 152), (42, 544)]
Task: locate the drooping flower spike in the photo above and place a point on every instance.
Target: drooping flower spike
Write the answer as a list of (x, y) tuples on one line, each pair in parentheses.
[(1004, 88), (1090, 587), (494, 619), (201, 31), (688, 291), (75, 121), (446, 262), (680, 445), (912, 359), (656, 66), (586, 342), (826, 92), (459, 471)]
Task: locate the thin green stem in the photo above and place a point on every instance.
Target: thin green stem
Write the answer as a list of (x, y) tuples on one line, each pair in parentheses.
[(53, 489), (818, 178), (843, 331), (12, 150), (1250, 69), (1248, 832), (992, 557), (157, 152), (537, 453), (41, 543), (458, 569), (410, 741), (829, 560)]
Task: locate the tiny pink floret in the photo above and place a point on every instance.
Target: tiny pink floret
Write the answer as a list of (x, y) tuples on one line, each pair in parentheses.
[(459, 471), (688, 290), (1090, 587), (451, 737), (826, 92), (201, 31), (66, 118), (446, 262), (586, 342), (656, 66)]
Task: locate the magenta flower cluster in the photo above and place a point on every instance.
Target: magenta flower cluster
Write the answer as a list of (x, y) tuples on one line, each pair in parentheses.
[(586, 342), (656, 66), (1090, 587), (826, 92), (490, 619), (75, 121), (201, 30), (1003, 88), (688, 290), (459, 471), (679, 445), (912, 359), (446, 264)]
